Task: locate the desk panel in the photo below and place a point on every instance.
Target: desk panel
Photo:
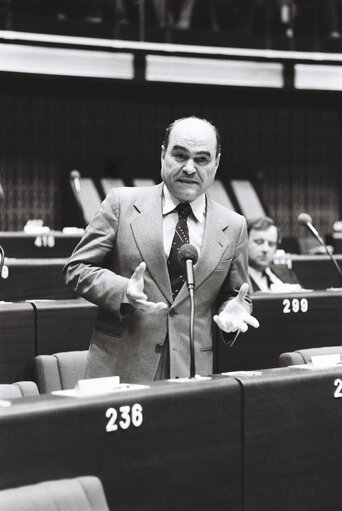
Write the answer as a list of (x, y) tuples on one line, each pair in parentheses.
[(17, 342), (63, 325), (186, 455), (34, 278), (292, 440), (52, 244), (316, 272), (317, 322)]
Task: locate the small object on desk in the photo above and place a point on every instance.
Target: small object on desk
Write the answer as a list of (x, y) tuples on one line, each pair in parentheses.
[(197, 377), (243, 373), (4, 403), (97, 386), (73, 230)]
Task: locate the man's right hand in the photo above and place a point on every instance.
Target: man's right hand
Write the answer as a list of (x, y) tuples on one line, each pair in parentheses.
[(135, 292)]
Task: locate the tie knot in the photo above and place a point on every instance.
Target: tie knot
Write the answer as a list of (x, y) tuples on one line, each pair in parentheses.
[(184, 210)]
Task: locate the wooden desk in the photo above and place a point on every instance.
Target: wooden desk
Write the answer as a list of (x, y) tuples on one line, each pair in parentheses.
[(63, 325), (292, 424), (17, 342), (34, 278), (53, 244), (316, 271), (317, 322), (185, 455)]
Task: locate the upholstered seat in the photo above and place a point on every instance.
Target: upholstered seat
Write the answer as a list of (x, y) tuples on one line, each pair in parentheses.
[(304, 356), (78, 494), (18, 389), (60, 371)]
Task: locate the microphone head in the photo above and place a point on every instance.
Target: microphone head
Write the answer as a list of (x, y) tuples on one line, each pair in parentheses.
[(186, 252), (304, 219), (74, 174)]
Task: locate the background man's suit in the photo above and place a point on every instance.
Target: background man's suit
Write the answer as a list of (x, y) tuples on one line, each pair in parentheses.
[(126, 231)]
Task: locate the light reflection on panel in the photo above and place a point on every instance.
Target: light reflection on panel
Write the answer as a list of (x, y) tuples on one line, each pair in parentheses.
[(320, 77), (214, 71), (66, 62)]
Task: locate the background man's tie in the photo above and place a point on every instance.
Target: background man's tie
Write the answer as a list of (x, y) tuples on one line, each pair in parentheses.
[(176, 270)]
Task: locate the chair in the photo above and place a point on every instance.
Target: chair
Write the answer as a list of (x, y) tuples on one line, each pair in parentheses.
[(247, 199), (304, 356), (81, 493), (18, 389), (86, 195), (107, 183), (60, 371), (217, 192)]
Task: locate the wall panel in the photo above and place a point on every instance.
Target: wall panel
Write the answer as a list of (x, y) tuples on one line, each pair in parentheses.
[(289, 143)]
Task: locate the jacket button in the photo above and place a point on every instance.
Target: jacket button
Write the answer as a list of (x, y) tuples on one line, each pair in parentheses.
[(159, 347), (172, 312)]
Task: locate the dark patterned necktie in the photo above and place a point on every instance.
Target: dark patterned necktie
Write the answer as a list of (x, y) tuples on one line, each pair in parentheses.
[(268, 279), (176, 269)]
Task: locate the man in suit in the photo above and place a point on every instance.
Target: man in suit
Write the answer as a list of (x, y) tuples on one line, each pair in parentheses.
[(122, 264), (264, 275)]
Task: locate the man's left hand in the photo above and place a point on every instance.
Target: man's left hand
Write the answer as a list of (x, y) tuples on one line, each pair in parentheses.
[(235, 316)]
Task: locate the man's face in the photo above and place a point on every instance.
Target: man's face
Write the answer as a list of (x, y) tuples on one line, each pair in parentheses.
[(261, 247), (189, 164)]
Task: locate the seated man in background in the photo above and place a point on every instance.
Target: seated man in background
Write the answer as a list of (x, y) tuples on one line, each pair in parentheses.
[(264, 275)]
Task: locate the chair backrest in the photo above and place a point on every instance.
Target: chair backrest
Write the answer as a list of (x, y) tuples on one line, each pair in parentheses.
[(247, 199), (81, 493), (87, 197), (60, 371), (304, 356), (218, 193), (18, 389), (107, 183)]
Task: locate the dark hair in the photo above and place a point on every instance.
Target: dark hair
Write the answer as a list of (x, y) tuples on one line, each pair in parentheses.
[(262, 224), (173, 124)]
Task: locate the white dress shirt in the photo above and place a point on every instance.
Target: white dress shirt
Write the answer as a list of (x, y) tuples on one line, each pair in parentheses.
[(261, 280), (196, 220)]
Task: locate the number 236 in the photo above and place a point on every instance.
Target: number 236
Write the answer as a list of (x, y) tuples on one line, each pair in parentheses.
[(126, 417)]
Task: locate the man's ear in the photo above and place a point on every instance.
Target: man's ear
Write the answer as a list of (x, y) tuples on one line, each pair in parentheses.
[(218, 157), (163, 151)]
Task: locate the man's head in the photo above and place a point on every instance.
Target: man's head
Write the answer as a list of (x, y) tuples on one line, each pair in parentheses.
[(263, 237), (190, 157)]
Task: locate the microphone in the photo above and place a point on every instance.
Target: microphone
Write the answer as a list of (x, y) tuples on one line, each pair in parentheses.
[(188, 255), (75, 177), (306, 220)]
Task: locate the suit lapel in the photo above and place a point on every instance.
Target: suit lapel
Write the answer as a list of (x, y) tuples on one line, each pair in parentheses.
[(147, 229), (214, 244)]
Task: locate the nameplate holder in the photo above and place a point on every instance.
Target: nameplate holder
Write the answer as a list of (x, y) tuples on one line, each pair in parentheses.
[(97, 385)]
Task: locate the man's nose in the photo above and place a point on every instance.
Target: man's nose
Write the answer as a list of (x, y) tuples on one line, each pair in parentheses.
[(189, 167)]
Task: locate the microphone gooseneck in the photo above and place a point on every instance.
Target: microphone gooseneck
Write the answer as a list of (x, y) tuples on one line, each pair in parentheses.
[(306, 220), (188, 256)]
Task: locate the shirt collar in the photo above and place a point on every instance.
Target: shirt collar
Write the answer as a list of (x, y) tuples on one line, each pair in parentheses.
[(198, 206)]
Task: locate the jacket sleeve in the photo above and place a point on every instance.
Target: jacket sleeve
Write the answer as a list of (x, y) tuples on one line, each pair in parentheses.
[(238, 272), (87, 271)]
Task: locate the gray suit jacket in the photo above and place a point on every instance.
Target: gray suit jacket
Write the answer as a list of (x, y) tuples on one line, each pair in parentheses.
[(126, 231)]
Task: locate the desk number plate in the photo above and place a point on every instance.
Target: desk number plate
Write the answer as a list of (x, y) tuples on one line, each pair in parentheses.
[(124, 418), (338, 385), (295, 305)]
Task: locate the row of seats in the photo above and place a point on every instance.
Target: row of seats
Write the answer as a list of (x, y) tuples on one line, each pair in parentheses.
[(242, 198), (62, 371)]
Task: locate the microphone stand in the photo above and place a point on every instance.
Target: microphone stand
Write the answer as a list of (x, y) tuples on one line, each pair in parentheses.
[(319, 238), (191, 287)]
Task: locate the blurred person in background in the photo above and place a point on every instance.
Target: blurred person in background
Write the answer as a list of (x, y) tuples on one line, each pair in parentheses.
[(264, 275)]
